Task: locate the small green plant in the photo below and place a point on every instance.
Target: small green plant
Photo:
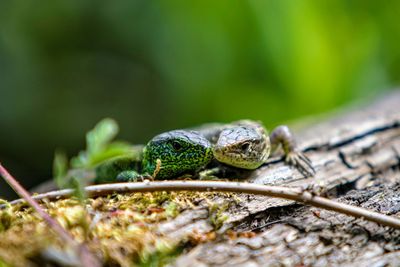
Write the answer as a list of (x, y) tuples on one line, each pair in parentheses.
[(100, 147)]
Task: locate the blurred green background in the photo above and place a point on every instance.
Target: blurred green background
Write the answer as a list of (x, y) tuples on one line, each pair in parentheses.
[(158, 65)]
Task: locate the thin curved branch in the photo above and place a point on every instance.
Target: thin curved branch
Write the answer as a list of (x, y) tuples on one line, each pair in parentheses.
[(296, 194), (85, 256)]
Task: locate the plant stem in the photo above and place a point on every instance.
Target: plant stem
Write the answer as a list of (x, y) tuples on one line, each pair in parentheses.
[(86, 258), (296, 194)]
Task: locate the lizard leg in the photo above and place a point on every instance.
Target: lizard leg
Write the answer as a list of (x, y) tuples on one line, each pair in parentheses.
[(131, 176), (281, 136), (210, 174)]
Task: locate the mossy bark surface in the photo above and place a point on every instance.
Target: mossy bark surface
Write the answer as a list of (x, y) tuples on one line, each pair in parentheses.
[(356, 155)]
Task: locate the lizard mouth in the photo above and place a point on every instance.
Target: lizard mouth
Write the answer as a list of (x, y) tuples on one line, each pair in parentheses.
[(238, 159)]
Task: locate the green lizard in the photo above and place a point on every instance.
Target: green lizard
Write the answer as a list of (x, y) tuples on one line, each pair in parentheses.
[(167, 155), (243, 144)]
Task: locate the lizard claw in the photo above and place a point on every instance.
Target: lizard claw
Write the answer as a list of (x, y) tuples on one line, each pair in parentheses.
[(301, 162)]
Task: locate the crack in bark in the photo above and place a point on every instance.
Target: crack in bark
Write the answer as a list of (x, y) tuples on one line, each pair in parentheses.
[(345, 142)]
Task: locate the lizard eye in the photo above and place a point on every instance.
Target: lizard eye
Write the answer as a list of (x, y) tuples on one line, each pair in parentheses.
[(176, 146), (245, 146)]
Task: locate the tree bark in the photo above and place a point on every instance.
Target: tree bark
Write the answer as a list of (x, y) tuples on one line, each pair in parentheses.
[(356, 155)]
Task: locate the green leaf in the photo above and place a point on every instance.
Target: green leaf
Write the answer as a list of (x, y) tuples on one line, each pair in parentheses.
[(104, 132), (100, 149), (60, 168), (115, 149), (100, 146)]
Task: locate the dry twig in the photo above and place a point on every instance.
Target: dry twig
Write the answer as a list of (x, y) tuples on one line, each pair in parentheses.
[(296, 194)]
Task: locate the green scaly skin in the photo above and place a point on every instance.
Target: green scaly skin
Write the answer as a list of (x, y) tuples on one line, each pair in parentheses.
[(177, 152), (120, 169), (166, 156)]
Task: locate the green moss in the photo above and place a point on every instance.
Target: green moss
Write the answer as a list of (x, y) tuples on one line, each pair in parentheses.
[(121, 228), (6, 216), (163, 255), (4, 264), (218, 215)]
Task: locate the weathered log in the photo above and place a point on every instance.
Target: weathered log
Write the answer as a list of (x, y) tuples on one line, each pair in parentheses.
[(357, 150), (356, 155), (348, 149)]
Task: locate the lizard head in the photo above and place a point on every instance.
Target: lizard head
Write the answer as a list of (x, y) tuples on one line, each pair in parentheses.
[(176, 152), (242, 147)]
